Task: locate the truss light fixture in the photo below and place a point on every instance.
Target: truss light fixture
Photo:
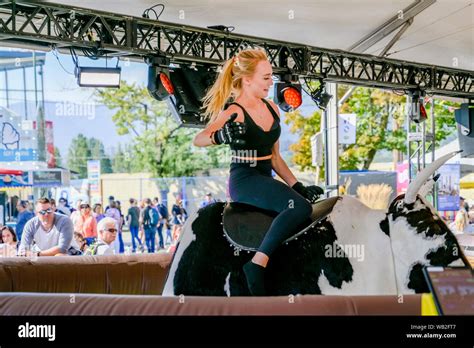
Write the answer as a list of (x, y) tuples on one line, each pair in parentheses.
[(160, 85), (98, 77), (320, 97), (415, 108), (287, 93)]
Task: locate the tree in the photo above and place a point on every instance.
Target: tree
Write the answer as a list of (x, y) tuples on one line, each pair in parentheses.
[(160, 146), (380, 126), (97, 152), (57, 156), (123, 160), (83, 149), (78, 155), (374, 109), (305, 127)]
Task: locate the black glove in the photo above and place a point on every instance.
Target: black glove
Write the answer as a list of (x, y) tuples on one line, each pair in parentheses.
[(311, 193), (230, 133)]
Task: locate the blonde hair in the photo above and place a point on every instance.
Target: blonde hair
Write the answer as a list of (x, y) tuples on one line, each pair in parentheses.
[(229, 82)]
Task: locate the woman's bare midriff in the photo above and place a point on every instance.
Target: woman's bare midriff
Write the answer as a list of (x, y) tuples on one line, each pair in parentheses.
[(254, 158)]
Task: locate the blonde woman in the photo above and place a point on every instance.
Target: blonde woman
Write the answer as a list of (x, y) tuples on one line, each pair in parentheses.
[(250, 125)]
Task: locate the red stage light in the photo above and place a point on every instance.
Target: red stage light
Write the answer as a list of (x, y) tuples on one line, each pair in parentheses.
[(166, 82), (287, 95), (292, 97)]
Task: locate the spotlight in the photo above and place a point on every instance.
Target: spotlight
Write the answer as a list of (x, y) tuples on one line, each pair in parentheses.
[(320, 97), (98, 77), (182, 87), (159, 86), (415, 108), (287, 94)]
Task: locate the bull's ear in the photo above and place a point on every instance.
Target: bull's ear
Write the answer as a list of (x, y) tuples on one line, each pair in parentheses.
[(427, 186)]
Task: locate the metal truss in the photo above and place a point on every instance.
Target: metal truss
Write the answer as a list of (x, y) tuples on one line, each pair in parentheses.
[(44, 26)]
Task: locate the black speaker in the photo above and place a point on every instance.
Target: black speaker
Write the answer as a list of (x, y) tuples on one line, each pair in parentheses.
[(465, 122)]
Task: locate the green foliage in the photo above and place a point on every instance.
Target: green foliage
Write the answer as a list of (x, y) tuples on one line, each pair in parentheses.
[(380, 126), (83, 149), (97, 152), (378, 114), (78, 154), (57, 156), (305, 127)]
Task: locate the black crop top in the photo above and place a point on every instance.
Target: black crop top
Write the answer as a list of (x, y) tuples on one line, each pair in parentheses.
[(258, 143)]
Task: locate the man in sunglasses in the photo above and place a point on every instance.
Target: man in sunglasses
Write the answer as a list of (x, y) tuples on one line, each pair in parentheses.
[(48, 233), (107, 228)]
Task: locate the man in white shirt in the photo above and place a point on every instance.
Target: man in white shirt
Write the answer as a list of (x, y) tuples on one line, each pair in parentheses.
[(47, 234), (107, 232)]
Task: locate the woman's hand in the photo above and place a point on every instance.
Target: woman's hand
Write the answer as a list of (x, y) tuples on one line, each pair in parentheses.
[(311, 193), (230, 133)]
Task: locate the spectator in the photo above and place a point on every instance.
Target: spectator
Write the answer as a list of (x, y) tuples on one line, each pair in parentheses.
[(77, 212), (98, 212), (81, 242), (207, 200), (86, 224), (24, 215), (47, 234), (133, 217), (149, 226), (164, 220), (157, 218), (471, 215), (53, 205), (463, 204), (179, 216), (460, 223), (108, 230), (122, 218), (111, 201), (63, 208), (8, 248), (141, 233), (114, 213)]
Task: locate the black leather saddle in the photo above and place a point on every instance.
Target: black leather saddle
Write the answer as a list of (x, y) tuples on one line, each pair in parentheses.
[(245, 225)]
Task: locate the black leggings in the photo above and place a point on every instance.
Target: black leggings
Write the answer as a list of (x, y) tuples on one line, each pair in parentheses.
[(252, 183)]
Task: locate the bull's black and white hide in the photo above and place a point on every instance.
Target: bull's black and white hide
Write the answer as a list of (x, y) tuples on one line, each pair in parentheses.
[(354, 251)]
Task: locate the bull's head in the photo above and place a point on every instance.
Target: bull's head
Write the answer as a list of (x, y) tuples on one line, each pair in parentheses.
[(418, 234)]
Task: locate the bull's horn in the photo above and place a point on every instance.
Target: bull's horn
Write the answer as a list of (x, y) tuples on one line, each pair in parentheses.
[(423, 176), (428, 185)]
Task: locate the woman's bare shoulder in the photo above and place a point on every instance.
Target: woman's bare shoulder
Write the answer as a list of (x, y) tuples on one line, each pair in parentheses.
[(231, 110)]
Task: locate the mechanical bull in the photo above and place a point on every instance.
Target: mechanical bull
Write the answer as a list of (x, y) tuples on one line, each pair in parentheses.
[(354, 250)]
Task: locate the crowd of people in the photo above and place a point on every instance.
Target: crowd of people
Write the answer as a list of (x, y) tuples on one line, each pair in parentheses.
[(49, 229)]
